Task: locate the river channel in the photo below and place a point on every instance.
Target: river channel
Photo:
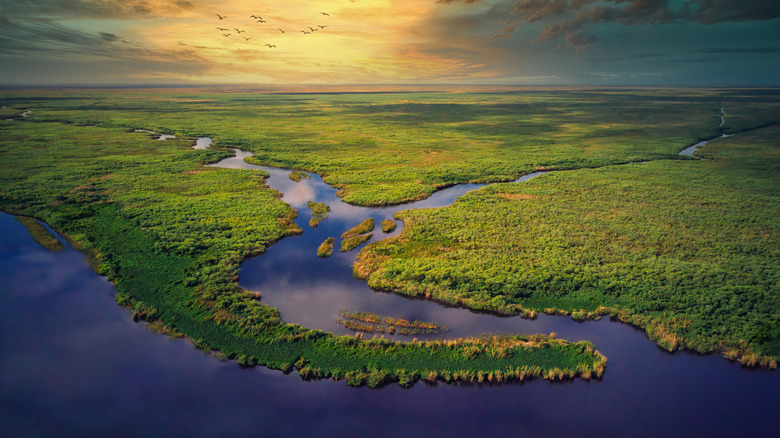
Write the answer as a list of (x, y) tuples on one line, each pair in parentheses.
[(74, 363)]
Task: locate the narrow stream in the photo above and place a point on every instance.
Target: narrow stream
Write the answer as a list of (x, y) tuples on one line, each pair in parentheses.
[(689, 151)]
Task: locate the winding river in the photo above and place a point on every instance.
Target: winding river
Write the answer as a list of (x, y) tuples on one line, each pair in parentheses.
[(74, 363)]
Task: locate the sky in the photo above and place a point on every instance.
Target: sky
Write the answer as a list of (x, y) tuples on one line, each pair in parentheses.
[(354, 42)]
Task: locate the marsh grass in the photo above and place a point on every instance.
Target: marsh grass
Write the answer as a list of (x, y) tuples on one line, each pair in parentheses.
[(40, 234), (388, 226), (326, 248), (319, 211), (374, 323), (685, 250)]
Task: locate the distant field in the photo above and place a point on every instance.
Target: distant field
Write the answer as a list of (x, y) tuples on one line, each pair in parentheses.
[(390, 148)]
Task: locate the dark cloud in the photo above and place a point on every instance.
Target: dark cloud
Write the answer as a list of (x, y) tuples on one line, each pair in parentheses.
[(574, 17), (43, 39), (739, 50), (105, 36), (580, 40), (507, 28), (117, 9)]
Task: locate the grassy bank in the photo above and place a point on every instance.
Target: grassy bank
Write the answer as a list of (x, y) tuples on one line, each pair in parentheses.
[(40, 234)]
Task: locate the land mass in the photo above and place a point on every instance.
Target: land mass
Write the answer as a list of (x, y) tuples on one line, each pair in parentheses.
[(171, 233)]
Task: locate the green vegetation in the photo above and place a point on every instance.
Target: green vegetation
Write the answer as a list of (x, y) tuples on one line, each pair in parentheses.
[(40, 234), (353, 237), (687, 250), (388, 226), (353, 242), (171, 234), (684, 248), (296, 175), (370, 322), (8, 113), (326, 248), (384, 149), (319, 211), (366, 226)]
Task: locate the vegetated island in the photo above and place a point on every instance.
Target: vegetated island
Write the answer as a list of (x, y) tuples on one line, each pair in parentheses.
[(170, 234), (319, 211), (353, 237), (370, 322), (297, 175), (388, 226), (326, 248)]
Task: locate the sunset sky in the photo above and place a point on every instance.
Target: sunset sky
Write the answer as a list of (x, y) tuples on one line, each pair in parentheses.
[(512, 42)]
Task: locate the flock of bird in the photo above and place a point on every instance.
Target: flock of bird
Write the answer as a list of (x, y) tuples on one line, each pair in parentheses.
[(259, 19)]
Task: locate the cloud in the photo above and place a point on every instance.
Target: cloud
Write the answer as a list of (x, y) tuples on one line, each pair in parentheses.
[(572, 18), (115, 9), (739, 50), (43, 39), (110, 37)]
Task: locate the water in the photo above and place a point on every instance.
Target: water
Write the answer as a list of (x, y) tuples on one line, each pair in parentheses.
[(74, 363), (161, 136)]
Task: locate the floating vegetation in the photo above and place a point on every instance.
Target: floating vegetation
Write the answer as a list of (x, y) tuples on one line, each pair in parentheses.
[(388, 226), (372, 323), (297, 175), (319, 211), (326, 248)]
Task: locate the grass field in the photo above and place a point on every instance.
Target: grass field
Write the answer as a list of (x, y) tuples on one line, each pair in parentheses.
[(687, 250)]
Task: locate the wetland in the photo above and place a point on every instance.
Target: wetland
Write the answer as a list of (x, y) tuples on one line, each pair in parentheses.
[(184, 238)]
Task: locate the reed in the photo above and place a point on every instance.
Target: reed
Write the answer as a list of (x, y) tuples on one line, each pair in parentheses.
[(388, 226), (326, 248), (40, 234)]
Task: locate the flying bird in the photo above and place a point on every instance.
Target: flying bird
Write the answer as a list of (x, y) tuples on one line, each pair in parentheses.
[(221, 17), (313, 29), (223, 28), (255, 17), (270, 46), (261, 21), (321, 26), (238, 31), (246, 38), (304, 32), (226, 34), (281, 29), (325, 13)]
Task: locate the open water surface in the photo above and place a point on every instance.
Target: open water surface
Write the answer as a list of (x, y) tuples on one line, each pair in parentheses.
[(75, 364)]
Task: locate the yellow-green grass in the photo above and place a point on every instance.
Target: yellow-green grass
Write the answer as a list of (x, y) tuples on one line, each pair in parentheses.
[(687, 250)]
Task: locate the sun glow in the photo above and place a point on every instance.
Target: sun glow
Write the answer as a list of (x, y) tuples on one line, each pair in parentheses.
[(301, 41)]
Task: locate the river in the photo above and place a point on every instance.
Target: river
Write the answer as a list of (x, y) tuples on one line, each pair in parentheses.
[(74, 363)]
